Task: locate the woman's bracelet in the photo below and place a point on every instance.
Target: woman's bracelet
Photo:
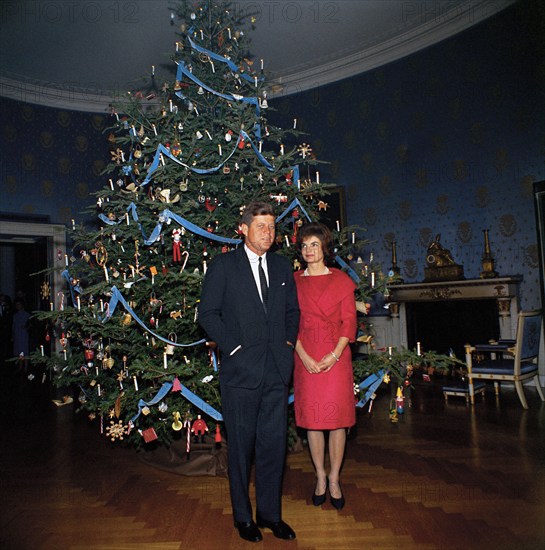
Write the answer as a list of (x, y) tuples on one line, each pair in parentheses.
[(336, 357)]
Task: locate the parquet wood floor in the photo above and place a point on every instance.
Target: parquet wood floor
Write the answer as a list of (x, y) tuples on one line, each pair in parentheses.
[(446, 476)]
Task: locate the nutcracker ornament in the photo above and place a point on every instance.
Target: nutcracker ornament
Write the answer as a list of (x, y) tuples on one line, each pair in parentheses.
[(400, 401), (199, 429), (176, 246)]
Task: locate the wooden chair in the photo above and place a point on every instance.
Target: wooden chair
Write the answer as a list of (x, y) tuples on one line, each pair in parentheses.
[(509, 360)]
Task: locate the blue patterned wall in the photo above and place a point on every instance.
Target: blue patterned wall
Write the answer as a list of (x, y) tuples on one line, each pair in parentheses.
[(51, 160), (448, 140)]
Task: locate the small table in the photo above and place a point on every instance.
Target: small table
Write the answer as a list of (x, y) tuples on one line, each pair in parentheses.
[(461, 389)]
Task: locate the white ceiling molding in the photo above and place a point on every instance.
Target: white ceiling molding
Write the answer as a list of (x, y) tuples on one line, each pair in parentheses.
[(402, 45), (54, 95)]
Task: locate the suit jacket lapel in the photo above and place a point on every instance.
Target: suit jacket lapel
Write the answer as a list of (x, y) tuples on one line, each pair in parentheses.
[(246, 277)]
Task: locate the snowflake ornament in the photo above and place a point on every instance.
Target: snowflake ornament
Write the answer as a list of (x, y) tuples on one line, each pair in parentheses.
[(117, 430), (45, 290), (304, 149)]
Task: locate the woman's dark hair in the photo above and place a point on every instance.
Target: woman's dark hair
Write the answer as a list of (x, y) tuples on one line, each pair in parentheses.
[(319, 230), (256, 209)]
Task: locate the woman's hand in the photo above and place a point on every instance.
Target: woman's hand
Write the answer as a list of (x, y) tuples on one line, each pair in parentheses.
[(327, 362), (312, 366)]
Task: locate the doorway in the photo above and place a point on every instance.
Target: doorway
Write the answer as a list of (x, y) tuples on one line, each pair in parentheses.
[(25, 249)]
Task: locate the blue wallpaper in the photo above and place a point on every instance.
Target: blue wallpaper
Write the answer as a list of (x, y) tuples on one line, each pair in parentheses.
[(51, 160), (447, 141)]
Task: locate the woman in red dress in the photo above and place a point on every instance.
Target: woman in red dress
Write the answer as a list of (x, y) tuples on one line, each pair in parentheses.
[(323, 377)]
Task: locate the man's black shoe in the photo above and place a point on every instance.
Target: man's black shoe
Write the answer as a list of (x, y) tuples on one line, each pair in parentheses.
[(248, 531), (280, 529)]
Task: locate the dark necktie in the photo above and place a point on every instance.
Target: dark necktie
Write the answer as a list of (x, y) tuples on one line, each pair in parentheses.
[(263, 284)]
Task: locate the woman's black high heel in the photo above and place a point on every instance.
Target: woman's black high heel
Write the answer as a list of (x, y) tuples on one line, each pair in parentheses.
[(337, 503), (318, 500)]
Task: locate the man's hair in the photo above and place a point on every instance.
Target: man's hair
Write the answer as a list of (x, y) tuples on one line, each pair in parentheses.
[(256, 209), (323, 233)]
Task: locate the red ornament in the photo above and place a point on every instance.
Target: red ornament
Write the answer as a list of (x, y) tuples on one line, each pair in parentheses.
[(176, 245), (149, 435), (209, 205), (241, 143), (199, 428), (289, 178)]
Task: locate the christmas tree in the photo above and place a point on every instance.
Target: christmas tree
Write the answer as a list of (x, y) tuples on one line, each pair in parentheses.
[(186, 155)]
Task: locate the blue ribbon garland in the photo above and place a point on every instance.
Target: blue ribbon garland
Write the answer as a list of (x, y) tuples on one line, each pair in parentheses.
[(188, 394), (372, 382), (161, 149), (165, 216), (295, 203), (221, 59), (183, 70), (118, 297), (351, 272), (71, 287)]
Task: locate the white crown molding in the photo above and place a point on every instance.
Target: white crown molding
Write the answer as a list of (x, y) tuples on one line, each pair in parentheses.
[(54, 95), (447, 24)]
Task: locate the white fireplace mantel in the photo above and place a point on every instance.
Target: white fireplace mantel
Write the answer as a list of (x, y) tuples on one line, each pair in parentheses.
[(501, 288), (504, 289)]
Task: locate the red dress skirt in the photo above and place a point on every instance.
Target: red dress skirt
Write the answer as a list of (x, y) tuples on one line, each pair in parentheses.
[(325, 401)]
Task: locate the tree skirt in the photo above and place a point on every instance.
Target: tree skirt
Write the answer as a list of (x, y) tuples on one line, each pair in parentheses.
[(205, 459)]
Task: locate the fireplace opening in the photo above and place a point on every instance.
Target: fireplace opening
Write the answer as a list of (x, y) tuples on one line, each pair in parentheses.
[(450, 324)]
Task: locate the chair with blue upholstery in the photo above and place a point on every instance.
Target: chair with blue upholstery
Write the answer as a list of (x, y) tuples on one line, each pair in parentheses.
[(509, 360)]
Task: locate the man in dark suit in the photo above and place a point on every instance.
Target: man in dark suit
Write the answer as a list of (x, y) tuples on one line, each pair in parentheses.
[(249, 308)]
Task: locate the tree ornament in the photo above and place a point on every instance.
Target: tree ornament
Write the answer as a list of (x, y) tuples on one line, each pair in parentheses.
[(45, 290), (149, 435), (400, 406), (176, 246), (117, 156), (289, 178), (177, 425), (210, 204), (117, 430), (199, 429), (126, 319), (108, 361)]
